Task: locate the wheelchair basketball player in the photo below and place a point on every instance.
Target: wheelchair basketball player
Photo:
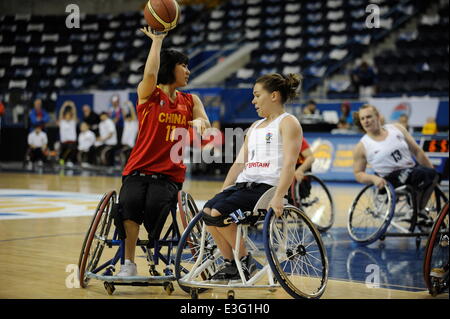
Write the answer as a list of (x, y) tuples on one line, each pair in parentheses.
[(151, 179)]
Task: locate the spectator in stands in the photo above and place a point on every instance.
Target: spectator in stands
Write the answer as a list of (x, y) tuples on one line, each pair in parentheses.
[(346, 115), (91, 118), (37, 146), (430, 127), (38, 116), (404, 121), (364, 80), (67, 122), (107, 141), (86, 149), (130, 131), (311, 108), (116, 114)]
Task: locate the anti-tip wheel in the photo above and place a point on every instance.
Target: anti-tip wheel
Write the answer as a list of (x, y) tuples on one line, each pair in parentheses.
[(168, 287), (109, 288)]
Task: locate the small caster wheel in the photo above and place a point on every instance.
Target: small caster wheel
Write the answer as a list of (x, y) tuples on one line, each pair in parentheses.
[(168, 287), (194, 294), (230, 294), (109, 288)]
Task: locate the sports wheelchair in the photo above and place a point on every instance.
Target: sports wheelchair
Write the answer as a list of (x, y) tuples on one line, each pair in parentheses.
[(96, 263), (378, 213), (289, 253), (313, 197), (436, 259)]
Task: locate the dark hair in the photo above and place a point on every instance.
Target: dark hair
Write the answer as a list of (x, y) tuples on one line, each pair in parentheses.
[(286, 85), (311, 102), (169, 59)]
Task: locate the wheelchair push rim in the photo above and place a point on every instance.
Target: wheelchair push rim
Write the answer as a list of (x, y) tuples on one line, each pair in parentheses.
[(296, 253), (89, 257), (370, 213)]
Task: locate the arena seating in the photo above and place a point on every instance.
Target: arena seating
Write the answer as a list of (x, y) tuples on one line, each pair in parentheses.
[(419, 64), (40, 56)]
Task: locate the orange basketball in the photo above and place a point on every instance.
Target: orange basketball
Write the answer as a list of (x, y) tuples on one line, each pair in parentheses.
[(162, 15)]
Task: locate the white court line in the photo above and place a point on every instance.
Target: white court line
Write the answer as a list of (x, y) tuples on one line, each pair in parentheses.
[(35, 199)]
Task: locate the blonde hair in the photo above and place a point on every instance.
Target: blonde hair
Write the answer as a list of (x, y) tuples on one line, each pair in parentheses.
[(356, 119)]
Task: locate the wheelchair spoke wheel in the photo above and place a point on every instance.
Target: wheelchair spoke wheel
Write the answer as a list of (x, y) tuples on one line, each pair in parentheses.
[(197, 254), (436, 258), (96, 237), (316, 201), (296, 253), (434, 206), (370, 213)]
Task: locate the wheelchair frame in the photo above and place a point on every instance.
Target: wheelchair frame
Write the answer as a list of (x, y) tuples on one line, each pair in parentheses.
[(202, 268), (389, 216), (88, 268)]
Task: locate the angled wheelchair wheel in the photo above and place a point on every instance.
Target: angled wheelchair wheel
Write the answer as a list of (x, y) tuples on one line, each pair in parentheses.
[(197, 255), (316, 201), (187, 208), (405, 211), (96, 237), (370, 213), (436, 255), (296, 253)]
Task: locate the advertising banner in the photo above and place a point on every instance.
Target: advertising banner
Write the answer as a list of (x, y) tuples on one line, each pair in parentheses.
[(417, 109)]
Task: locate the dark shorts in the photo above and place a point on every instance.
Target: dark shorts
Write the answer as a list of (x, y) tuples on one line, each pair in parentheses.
[(419, 177), (237, 197), (147, 200)]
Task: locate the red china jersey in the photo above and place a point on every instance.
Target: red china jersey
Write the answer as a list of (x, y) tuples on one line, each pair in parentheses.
[(304, 147), (158, 138)]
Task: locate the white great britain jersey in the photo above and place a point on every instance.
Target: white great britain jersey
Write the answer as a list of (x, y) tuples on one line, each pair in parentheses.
[(389, 155), (265, 154)]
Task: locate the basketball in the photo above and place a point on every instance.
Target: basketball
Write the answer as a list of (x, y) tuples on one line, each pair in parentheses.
[(162, 15)]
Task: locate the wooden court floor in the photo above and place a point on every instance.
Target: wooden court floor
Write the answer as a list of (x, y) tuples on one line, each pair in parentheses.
[(36, 254)]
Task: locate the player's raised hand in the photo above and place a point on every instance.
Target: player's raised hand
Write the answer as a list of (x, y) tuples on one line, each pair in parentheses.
[(153, 34)]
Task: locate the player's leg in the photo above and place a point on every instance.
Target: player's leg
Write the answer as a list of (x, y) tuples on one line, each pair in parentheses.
[(131, 201)]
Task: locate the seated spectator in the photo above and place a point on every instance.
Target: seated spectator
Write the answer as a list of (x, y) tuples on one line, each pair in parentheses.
[(430, 127), (91, 118), (37, 146), (364, 80), (130, 131), (86, 149), (311, 108), (106, 141), (38, 116), (346, 114), (67, 122), (116, 113)]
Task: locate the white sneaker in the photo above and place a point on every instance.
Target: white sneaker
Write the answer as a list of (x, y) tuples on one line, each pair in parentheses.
[(128, 269)]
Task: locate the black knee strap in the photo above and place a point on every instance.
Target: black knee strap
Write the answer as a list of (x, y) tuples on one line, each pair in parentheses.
[(219, 221), (118, 221)]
